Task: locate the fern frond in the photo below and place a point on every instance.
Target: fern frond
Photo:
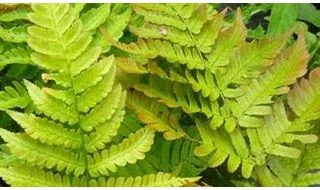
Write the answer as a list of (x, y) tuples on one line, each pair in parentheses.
[(128, 151), (27, 176), (174, 156), (186, 25), (79, 111), (22, 176), (289, 66), (155, 115), (47, 131), (16, 96), (174, 95), (250, 60), (40, 154)]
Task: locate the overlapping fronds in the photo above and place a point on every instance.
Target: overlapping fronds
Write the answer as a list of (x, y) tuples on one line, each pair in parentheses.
[(231, 86), (155, 115), (68, 140), (26, 176), (174, 156), (13, 35)]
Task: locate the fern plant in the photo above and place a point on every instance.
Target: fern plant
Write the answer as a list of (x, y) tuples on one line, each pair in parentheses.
[(13, 34), (238, 92), (67, 141)]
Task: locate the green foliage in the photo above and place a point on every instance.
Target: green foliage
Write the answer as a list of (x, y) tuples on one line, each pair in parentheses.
[(233, 89), (67, 141), (159, 94)]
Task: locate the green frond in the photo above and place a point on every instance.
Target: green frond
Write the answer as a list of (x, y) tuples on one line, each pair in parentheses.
[(56, 109), (175, 33), (40, 154), (93, 18), (14, 96), (47, 131), (115, 24), (62, 35), (129, 150), (150, 48), (271, 137), (152, 180), (70, 135), (289, 66), (174, 156), (17, 34), (15, 55), (21, 175), (250, 60), (303, 99), (155, 115), (27, 176), (174, 94)]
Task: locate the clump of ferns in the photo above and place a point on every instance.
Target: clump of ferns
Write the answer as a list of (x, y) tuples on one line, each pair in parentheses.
[(242, 89), (67, 141)]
